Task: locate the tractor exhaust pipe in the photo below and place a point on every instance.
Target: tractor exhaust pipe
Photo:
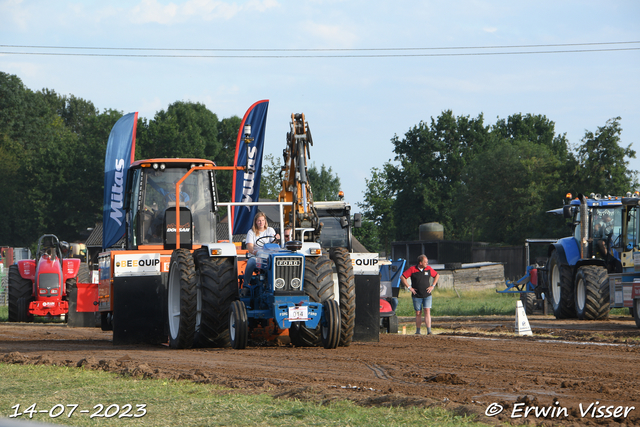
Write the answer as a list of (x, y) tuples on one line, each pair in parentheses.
[(584, 249)]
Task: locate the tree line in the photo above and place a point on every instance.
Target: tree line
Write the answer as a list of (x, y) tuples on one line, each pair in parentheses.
[(52, 150), (490, 183)]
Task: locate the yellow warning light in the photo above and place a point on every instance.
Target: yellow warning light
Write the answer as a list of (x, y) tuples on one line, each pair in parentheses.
[(568, 196)]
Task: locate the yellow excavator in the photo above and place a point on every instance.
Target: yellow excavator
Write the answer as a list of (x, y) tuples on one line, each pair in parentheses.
[(308, 223)]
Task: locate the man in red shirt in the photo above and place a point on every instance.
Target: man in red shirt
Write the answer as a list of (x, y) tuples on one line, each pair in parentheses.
[(420, 289)]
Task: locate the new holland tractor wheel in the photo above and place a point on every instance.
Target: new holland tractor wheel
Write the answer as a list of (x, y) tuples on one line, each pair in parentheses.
[(528, 300), (347, 293), (592, 293), (182, 299), (561, 292), (238, 325), (218, 288), (20, 291), (318, 286), (330, 324)]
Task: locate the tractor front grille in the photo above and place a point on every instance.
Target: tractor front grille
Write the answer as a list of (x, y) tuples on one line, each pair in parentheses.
[(289, 270)]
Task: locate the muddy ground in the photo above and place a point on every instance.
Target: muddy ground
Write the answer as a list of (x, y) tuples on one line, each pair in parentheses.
[(471, 365)]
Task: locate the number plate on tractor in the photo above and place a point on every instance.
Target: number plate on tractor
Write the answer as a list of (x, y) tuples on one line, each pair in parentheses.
[(298, 314)]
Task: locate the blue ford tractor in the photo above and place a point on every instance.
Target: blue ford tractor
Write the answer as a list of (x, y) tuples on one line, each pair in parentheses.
[(277, 293), (577, 279)]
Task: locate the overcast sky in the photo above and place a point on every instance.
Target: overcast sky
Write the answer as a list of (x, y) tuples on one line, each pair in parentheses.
[(361, 71)]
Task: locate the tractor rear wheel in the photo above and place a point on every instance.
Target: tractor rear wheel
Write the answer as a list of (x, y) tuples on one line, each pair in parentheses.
[(182, 299), (23, 310), (347, 294), (218, 288), (105, 322), (330, 324), (636, 312), (20, 291), (238, 325), (561, 288), (592, 293), (318, 286), (528, 300), (392, 327)]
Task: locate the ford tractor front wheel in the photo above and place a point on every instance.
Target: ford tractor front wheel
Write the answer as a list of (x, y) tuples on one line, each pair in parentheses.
[(330, 324), (238, 325)]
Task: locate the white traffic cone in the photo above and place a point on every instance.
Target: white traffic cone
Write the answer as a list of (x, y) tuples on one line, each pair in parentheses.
[(522, 323)]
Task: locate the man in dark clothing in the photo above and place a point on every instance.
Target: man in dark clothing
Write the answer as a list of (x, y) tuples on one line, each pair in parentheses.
[(420, 289)]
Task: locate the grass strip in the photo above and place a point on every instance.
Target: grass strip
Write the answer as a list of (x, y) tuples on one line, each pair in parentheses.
[(182, 403)]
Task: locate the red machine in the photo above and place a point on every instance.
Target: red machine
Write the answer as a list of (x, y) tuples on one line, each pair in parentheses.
[(42, 287)]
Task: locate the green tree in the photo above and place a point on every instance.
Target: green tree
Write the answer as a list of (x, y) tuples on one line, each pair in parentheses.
[(324, 183), (506, 202), (185, 129), (603, 162), (378, 211), (270, 180), (227, 136), (368, 235), (427, 179)]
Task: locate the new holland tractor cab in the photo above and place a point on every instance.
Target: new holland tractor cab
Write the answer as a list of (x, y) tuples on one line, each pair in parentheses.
[(41, 286), (279, 294), (579, 265)]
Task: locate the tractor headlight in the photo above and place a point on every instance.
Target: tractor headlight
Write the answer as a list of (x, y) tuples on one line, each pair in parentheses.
[(279, 284), (295, 283)]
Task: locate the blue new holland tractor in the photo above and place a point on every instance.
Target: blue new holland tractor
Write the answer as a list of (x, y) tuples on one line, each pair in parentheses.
[(578, 266), (279, 294)]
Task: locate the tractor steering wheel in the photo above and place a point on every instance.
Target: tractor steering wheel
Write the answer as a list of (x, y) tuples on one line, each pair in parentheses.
[(260, 239)]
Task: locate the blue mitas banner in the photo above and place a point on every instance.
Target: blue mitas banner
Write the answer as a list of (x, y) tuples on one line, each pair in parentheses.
[(246, 184), (119, 156)]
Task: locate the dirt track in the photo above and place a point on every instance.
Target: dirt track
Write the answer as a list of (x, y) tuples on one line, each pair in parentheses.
[(470, 364)]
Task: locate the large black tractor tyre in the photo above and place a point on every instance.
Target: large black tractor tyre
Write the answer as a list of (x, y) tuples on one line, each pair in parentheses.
[(182, 299), (561, 291), (20, 292), (105, 321), (218, 289), (318, 286), (636, 312), (347, 294), (330, 324), (592, 293), (23, 310), (528, 300), (392, 327), (238, 325)]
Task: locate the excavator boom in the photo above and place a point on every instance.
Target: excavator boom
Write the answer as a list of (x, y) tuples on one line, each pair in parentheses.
[(295, 182)]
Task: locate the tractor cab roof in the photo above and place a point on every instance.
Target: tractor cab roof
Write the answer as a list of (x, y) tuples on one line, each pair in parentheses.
[(171, 163), (610, 201)]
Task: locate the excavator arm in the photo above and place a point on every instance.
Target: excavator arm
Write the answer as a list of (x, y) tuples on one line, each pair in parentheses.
[(301, 214)]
